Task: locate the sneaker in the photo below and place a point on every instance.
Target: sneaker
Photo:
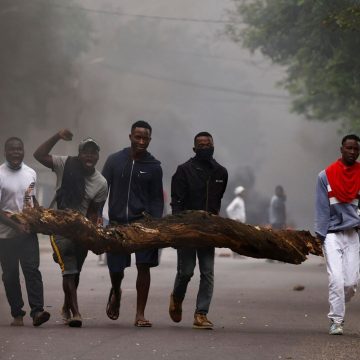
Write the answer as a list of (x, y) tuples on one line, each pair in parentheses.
[(175, 309), (336, 329), (40, 317), (18, 321), (202, 322)]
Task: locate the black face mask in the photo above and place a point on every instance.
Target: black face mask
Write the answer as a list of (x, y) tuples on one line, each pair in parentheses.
[(205, 154)]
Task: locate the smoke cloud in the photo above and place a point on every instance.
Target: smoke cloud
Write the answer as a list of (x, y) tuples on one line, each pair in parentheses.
[(169, 64)]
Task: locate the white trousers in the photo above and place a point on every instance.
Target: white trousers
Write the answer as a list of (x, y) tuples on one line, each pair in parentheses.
[(341, 251)]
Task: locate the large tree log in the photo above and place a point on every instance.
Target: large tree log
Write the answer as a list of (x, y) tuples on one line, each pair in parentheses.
[(188, 229)]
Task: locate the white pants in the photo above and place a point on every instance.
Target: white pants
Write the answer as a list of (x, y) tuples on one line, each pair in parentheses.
[(341, 251)]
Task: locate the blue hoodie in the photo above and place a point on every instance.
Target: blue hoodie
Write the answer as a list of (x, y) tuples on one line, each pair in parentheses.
[(135, 186), (331, 215)]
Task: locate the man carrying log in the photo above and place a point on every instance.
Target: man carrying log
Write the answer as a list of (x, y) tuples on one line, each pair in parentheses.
[(336, 225), (198, 184), (79, 187), (135, 180), (17, 245)]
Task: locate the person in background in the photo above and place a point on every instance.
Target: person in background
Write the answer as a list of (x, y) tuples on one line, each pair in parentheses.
[(236, 209), (277, 210), (135, 182), (79, 187), (198, 184), (17, 244), (337, 223)]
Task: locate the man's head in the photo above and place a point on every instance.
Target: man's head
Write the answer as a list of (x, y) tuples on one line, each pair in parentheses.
[(140, 137), (89, 154), (279, 191), (14, 151), (239, 190), (203, 145), (350, 149)]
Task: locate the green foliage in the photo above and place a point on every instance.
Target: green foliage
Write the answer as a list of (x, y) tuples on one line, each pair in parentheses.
[(319, 45), (347, 18), (39, 42)]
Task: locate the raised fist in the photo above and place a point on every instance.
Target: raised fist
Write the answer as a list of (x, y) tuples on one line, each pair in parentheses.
[(65, 134)]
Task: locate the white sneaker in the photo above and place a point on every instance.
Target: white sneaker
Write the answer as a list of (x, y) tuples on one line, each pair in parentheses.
[(336, 329)]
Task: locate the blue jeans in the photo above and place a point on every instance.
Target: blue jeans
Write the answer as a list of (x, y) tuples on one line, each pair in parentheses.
[(186, 262)]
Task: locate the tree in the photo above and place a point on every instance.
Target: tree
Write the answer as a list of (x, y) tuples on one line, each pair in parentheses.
[(318, 44), (39, 42), (187, 229)]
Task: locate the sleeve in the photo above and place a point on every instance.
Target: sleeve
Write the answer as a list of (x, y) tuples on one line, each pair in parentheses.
[(58, 168), (322, 208), (225, 177), (242, 213), (178, 191), (276, 204), (157, 194), (30, 192), (33, 193), (58, 162), (225, 182), (101, 195), (271, 210), (230, 210)]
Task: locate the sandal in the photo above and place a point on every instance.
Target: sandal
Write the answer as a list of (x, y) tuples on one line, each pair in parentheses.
[(75, 321), (143, 323), (113, 310), (66, 315)]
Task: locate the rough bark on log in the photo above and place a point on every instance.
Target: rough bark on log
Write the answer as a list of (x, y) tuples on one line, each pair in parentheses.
[(188, 229)]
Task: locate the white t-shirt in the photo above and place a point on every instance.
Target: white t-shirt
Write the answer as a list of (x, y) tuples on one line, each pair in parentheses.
[(16, 187), (96, 188)]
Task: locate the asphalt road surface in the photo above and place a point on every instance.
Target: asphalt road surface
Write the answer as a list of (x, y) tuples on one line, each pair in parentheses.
[(255, 309)]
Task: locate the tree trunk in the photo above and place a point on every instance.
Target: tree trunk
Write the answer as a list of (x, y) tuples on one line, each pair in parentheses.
[(188, 229)]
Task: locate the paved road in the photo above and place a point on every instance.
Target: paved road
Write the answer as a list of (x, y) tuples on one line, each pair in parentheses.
[(257, 315)]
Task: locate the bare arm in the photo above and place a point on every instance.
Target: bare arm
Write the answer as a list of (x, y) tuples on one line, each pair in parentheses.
[(93, 213), (14, 225), (42, 153)]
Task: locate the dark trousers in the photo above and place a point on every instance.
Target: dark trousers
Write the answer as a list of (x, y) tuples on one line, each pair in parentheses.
[(185, 270), (23, 250)]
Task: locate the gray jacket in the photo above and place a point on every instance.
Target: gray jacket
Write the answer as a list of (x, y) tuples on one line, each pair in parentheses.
[(331, 215)]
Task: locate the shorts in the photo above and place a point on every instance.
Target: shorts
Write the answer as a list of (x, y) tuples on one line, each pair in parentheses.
[(118, 262), (68, 254)]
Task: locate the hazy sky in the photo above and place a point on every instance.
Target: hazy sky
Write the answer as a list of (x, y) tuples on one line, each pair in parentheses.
[(168, 62)]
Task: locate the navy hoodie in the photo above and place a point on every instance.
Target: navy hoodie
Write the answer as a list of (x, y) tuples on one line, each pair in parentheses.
[(135, 186)]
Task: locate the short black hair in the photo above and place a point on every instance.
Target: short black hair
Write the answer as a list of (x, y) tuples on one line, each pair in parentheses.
[(202, 133), (350, 137), (13, 138), (141, 124)]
